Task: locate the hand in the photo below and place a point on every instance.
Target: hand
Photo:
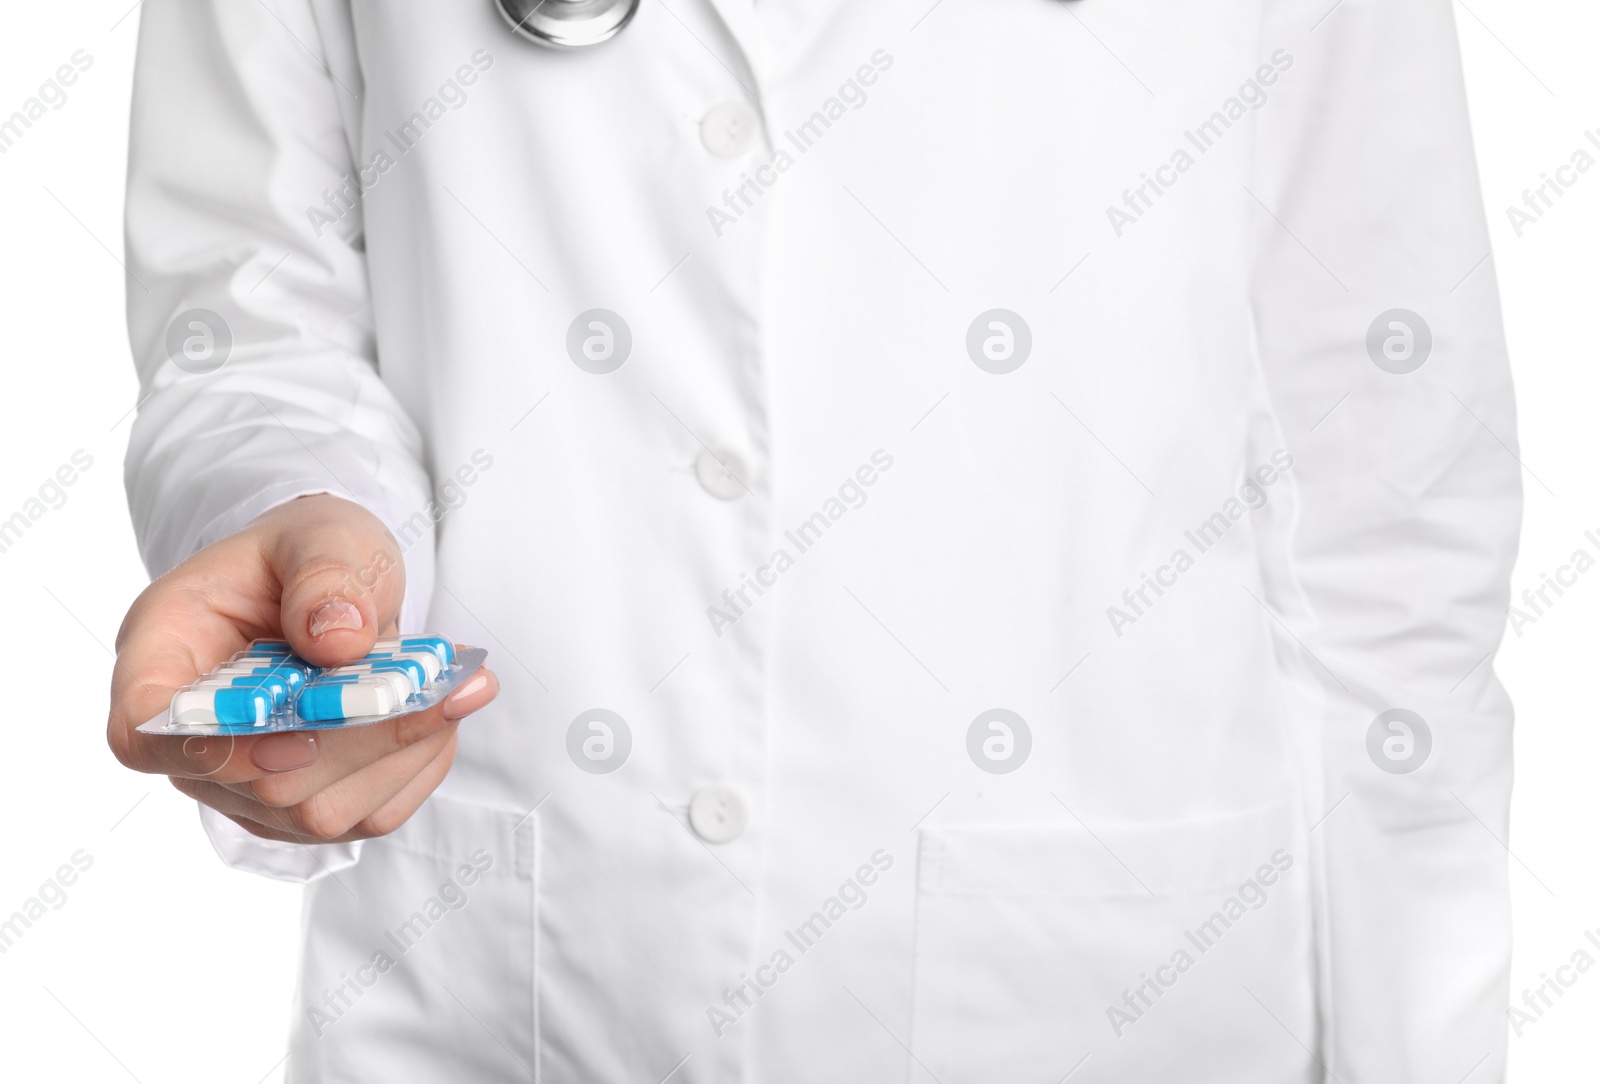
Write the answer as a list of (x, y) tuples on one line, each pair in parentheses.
[(326, 575)]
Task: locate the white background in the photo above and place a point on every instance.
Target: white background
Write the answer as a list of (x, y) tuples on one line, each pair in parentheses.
[(162, 965)]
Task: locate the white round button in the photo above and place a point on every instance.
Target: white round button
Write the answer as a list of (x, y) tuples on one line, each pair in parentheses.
[(721, 473), (730, 128), (718, 813)]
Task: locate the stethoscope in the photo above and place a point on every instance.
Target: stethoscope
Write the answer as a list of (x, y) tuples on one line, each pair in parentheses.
[(568, 24)]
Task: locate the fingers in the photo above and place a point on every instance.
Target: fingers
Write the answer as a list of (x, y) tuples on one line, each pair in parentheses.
[(219, 757), (285, 565), (397, 810), (342, 576), (319, 571), (228, 758), (474, 693), (180, 626), (373, 801), (343, 754)]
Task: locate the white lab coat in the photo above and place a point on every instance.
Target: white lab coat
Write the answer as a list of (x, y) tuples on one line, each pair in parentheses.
[(1199, 872)]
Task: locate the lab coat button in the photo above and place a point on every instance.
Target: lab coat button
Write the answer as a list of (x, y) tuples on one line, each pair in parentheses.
[(721, 473), (718, 813), (730, 128)]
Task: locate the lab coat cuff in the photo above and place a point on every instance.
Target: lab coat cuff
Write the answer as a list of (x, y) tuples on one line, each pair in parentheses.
[(299, 862)]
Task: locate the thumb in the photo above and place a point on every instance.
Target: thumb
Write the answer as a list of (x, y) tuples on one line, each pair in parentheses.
[(342, 576)]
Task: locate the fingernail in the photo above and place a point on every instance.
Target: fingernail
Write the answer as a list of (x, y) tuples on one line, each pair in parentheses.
[(334, 613), (455, 705), (285, 752)]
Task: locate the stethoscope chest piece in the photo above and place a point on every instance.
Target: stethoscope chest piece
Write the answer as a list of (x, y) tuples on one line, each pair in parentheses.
[(567, 24)]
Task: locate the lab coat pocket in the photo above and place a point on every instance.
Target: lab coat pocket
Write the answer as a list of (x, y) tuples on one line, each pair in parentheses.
[(419, 960), (1159, 952)]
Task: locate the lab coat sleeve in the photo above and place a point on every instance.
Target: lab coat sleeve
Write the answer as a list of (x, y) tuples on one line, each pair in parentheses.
[(240, 124), (1365, 200)]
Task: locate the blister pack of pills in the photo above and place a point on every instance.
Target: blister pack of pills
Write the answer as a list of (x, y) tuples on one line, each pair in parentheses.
[(267, 688)]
